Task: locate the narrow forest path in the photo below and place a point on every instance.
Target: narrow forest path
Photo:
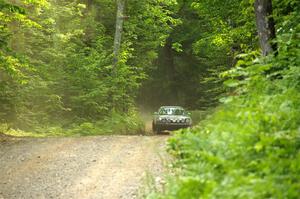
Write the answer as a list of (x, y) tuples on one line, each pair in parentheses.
[(108, 167)]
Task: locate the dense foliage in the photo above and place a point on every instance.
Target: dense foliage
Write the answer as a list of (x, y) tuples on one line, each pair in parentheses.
[(56, 59), (249, 147)]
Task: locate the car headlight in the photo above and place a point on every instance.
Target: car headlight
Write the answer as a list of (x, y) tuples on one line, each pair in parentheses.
[(187, 120), (161, 119)]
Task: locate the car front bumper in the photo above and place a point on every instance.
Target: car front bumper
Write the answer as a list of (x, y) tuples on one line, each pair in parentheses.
[(171, 126)]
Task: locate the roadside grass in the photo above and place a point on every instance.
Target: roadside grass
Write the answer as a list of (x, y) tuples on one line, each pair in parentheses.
[(115, 124)]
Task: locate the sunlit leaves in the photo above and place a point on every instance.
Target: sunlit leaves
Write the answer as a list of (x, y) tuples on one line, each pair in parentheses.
[(177, 47)]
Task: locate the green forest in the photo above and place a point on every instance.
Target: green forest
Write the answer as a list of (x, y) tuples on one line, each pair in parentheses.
[(90, 67)]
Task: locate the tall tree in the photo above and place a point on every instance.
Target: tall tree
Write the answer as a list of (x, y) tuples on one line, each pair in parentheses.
[(119, 29), (265, 25)]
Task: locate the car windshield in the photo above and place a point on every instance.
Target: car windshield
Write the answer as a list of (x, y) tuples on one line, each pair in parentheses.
[(171, 111)]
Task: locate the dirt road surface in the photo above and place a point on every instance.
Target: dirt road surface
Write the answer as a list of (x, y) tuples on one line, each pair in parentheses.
[(105, 167)]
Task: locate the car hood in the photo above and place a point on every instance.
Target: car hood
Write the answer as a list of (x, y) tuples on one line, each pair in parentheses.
[(174, 116)]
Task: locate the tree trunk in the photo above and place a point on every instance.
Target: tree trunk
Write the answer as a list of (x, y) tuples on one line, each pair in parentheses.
[(265, 25), (169, 65), (119, 29)]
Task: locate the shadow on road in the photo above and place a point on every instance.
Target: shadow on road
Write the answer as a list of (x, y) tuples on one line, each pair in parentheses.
[(164, 133)]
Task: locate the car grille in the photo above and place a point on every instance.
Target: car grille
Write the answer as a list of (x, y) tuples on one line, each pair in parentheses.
[(173, 120)]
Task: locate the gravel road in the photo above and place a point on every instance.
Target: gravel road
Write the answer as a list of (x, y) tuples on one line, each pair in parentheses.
[(105, 167)]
